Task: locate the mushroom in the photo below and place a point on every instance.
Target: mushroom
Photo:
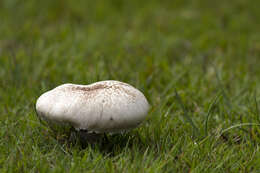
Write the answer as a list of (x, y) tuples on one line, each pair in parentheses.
[(105, 106)]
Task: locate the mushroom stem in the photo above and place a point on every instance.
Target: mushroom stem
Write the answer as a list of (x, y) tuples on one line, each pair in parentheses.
[(106, 139), (84, 136)]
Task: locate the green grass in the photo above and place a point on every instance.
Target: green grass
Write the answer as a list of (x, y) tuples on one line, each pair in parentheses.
[(196, 62)]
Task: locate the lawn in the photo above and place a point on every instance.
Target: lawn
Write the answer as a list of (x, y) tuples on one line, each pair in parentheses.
[(197, 62)]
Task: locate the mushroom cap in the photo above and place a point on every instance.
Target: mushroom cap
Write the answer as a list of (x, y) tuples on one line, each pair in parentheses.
[(105, 106)]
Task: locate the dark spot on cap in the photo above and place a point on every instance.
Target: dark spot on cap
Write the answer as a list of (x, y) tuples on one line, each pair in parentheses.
[(88, 88)]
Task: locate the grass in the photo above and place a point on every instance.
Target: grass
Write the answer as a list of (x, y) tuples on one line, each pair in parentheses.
[(197, 63)]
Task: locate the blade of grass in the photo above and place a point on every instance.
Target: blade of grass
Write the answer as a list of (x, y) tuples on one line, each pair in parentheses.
[(222, 87), (172, 83), (185, 114), (212, 104), (256, 108), (237, 126)]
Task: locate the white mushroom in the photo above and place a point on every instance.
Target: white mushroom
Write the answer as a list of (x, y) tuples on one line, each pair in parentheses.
[(106, 106)]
